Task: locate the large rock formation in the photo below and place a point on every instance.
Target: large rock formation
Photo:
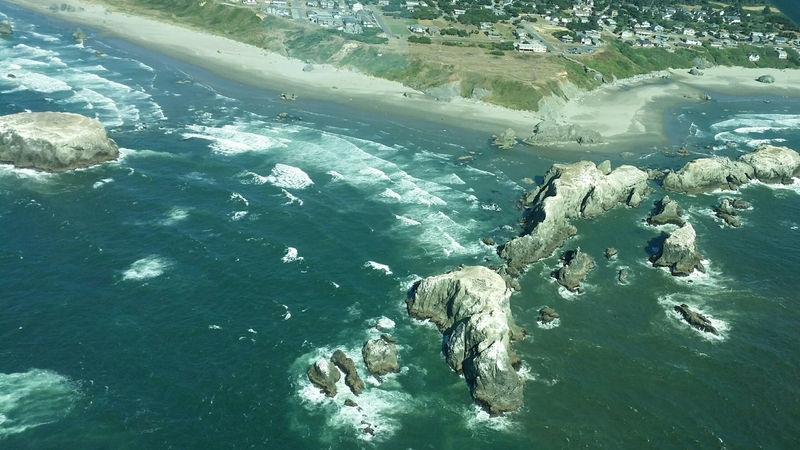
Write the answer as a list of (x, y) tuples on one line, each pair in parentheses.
[(346, 365), (570, 191), (470, 306), (324, 375), (667, 211), (380, 356), (576, 265), (767, 163), (549, 133), (728, 211), (54, 142), (679, 252), (766, 79), (505, 140), (5, 28)]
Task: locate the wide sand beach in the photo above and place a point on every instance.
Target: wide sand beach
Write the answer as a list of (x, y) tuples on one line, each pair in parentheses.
[(625, 113)]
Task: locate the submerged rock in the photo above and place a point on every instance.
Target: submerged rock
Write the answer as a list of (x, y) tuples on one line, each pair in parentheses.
[(569, 191), (696, 319), (5, 28), (667, 212), (380, 357), (346, 365), (54, 142), (324, 375), (679, 252), (79, 35), (470, 306), (576, 265)]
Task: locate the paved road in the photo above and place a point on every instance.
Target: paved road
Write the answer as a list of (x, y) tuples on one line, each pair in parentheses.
[(534, 35), (379, 18)]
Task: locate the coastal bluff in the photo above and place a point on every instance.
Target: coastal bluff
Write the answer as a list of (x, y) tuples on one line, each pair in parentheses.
[(54, 142), (470, 306)]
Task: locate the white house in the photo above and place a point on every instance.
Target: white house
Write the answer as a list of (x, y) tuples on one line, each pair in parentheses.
[(753, 57), (531, 46), (689, 31), (781, 53), (357, 7)]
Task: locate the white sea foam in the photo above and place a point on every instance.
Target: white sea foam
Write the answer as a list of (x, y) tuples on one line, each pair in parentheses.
[(34, 398), (476, 418), (549, 325), (374, 173), (235, 196), (146, 268), (291, 199), (379, 267), (231, 139), (406, 221), (388, 193), (697, 303), (291, 255), (8, 170), (176, 215), (289, 177), (251, 178), (335, 176), (238, 215)]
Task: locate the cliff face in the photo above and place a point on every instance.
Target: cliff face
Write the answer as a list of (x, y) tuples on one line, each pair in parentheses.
[(471, 307), (54, 142)]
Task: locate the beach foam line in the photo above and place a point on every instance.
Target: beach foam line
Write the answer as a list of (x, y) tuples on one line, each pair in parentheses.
[(289, 177), (146, 268), (231, 139), (33, 398)]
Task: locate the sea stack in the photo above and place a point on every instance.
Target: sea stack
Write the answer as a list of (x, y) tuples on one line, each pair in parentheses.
[(54, 142)]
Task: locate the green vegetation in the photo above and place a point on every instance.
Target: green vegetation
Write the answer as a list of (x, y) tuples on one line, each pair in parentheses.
[(419, 39)]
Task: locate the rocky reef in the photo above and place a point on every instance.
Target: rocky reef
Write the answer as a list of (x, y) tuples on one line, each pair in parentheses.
[(380, 356), (667, 212), (505, 140), (569, 191), (728, 211), (54, 142), (470, 306), (679, 252), (695, 319), (767, 163)]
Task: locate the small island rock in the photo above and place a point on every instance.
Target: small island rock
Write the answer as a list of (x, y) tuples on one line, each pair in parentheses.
[(380, 357), (679, 252), (324, 375), (54, 142), (547, 315), (696, 319), (346, 365), (505, 140), (576, 265), (767, 79), (5, 28), (667, 212)]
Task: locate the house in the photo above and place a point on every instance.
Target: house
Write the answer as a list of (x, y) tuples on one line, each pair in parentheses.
[(753, 57), (781, 53), (485, 25), (250, 2), (690, 41), (689, 31), (626, 34), (567, 39), (519, 34), (417, 29), (459, 12), (779, 40), (657, 28), (531, 46), (327, 4), (312, 3), (357, 7)]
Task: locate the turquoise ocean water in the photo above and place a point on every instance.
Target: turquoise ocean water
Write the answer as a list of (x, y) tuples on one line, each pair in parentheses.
[(175, 298)]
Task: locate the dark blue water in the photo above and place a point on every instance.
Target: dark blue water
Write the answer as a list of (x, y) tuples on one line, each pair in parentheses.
[(175, 298)]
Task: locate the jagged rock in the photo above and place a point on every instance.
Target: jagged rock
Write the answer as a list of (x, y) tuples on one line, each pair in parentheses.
[(679, 252), (740, 204), (667, 211), (727, 212), (576, 265), (655, 174), (488, 241), (696, 319), (569, 191), (509, 277), (79, 35), (471, 307), (346, 365), (549, 133), (5, 28), (623, 275), (696, 72), (351, 403), (604, 167), (768, 79), (610, 252), (682, 152), (308, 68), (707, 174), (288, 96), (389, 339), (767, 163), (547, 315), (505, 140), (54, 142), (773, 164), (528, 180), (380, 357), (324, 375)]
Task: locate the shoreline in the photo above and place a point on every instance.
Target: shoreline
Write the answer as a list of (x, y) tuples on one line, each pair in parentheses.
[(627, 113)]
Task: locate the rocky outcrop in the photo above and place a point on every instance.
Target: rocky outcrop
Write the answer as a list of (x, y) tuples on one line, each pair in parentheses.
[(470, 306), (505, 140), (5, 28), (728, 211), (767, 79), (79, 35), (696, 72), (773, 164), (576, 265), (324, 375), (54, 142), (567, 192), (622, 275), (767, 163), (610, 252), (380, 357), (696, 319), (549, 133), (547, 315), (667, 212), (679, 252), (346, 365)]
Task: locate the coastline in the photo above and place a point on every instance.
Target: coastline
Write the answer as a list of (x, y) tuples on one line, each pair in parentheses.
[(627, 113)]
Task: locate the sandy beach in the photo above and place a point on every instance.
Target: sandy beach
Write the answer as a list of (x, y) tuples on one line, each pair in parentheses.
[(622, 113)]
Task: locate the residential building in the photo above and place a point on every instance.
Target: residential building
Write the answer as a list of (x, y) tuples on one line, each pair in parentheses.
[(531, 46)]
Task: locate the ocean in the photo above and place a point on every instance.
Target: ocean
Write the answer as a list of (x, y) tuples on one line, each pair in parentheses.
[(175, 298)]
